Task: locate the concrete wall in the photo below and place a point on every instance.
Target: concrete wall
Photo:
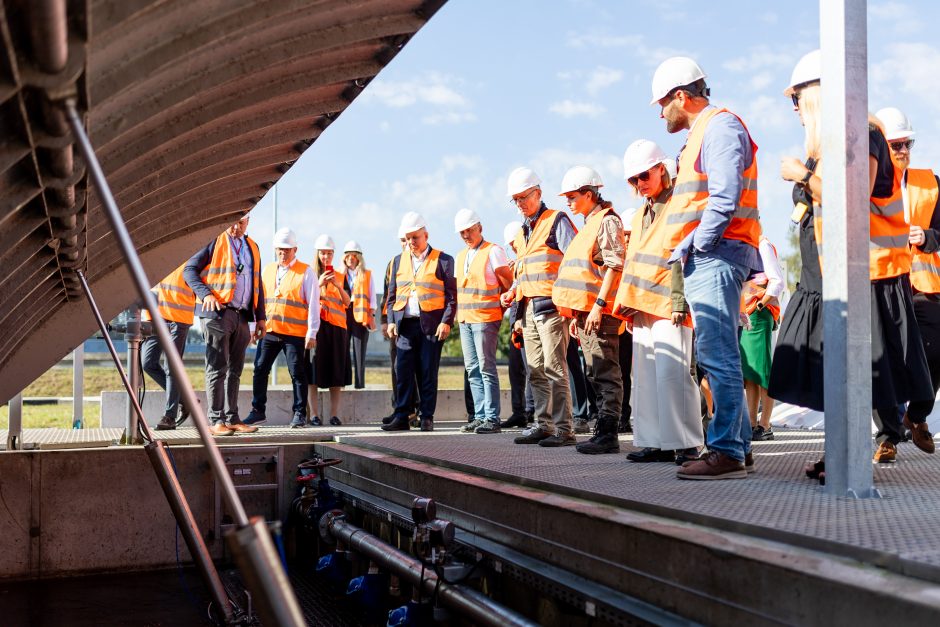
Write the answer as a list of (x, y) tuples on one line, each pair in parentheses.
[(99, 510), (359, 406)]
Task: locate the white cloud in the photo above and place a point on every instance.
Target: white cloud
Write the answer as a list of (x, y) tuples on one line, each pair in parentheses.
[(571, 108), (434, 90), (585, 39), (449, 117), (908, 69), (762, 58), (761, 80), (897, 17), (602, 78)]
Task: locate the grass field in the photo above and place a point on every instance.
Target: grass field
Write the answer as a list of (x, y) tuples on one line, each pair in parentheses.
[(57, 382)]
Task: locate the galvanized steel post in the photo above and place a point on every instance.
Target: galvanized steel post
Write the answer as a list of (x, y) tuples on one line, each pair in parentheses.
[(847, 304), (78, 387)]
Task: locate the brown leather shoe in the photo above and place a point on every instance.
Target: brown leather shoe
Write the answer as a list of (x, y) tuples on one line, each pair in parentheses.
[(220, 428), (749, 463), (920, 435), (886, 453), (711, 467), (240, 427)]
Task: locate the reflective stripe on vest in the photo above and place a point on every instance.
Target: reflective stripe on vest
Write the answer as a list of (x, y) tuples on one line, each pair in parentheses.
[(646, 284), (690, 194), (219, 275), (175, 299), (579, 278), (284, 304), (429, 288), (362, 311), (537, 264), (477, 300), (922, 192)]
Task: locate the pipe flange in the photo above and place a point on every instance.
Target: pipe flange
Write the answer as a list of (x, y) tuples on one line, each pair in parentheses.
[(326, 521)]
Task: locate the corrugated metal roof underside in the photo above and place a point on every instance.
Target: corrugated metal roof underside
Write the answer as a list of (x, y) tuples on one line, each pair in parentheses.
[(195, 109)]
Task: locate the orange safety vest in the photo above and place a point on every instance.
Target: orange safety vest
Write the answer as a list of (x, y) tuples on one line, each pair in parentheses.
[(332, 309), (536, 263), (889, 254), (285, 305), (922, 195), (425, 284), (175, 299), (690, 195), (579, 278), (219, 275), (477, 300), (362, 310), (646, 284)]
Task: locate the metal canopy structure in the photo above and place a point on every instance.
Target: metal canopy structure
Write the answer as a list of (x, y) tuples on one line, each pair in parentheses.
[(195, 109)]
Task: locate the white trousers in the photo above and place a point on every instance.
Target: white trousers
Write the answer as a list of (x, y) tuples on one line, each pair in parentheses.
[(665, 399)]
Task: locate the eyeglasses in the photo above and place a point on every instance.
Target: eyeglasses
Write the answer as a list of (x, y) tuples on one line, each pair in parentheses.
[(901, 145), (795, 97), (518, 201), (644, 176)]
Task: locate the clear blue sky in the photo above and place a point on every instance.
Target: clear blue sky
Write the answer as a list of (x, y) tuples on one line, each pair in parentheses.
[(490, 85)]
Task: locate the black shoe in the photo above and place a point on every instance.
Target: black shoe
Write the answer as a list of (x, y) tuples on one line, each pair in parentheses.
[(315, 422), (398, 424), (557, 440), (427, 424), (488, 427), (625, 426), (749, 463), (600, 443), (388, 419), (335, 421), (514, 421), (759, 434), (650, 454), (471, 427), (581, 425), (532, 436), (255, 417), (687, 455), (166, 424)]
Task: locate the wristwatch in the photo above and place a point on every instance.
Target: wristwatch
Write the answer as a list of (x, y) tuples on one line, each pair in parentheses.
[(600, 302)]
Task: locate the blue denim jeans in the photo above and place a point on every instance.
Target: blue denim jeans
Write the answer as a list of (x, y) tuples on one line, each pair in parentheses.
[(713, 290), (478, 341)]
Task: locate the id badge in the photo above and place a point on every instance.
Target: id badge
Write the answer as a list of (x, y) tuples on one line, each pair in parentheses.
[(239, 268), (799, 211)]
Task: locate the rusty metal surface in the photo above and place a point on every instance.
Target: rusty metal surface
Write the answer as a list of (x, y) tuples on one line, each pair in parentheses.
[(195, 109), (777, 502)]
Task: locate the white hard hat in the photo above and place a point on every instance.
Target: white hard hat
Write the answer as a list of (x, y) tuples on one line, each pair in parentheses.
[(520, 180), (674, 72), (324, 242), (352, 246), (807, 70), (464, 219), (580, 176), (411, 222), (285, 238), (642, 155), (510, 232), (896, 124)]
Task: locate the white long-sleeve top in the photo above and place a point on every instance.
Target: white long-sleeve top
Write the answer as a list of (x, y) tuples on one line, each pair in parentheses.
[(773, 273)]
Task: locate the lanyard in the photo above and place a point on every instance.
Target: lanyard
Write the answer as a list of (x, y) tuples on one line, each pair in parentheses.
[(237, 244)]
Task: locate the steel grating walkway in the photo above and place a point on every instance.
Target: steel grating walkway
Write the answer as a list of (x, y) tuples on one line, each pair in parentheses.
[(777, 502)]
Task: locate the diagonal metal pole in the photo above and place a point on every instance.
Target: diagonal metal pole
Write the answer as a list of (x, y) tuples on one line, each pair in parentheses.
[(169, 481), (257, 559), (847, 304)]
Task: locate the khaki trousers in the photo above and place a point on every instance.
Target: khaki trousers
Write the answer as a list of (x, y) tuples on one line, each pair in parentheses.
[(546, 343)]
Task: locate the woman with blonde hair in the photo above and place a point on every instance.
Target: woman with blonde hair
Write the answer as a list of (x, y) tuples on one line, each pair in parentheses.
[(899, 365), (360, 314), (666, 405), (332, 352)]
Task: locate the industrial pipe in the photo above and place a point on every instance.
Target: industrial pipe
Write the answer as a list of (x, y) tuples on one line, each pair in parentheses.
[(477, 606)]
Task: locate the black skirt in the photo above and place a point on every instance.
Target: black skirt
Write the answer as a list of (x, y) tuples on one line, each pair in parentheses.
[(328, 365), (796, 374)]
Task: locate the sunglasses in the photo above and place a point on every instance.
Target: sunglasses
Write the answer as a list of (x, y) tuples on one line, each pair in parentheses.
[(907, 143), (795, 97), (645, 176)]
